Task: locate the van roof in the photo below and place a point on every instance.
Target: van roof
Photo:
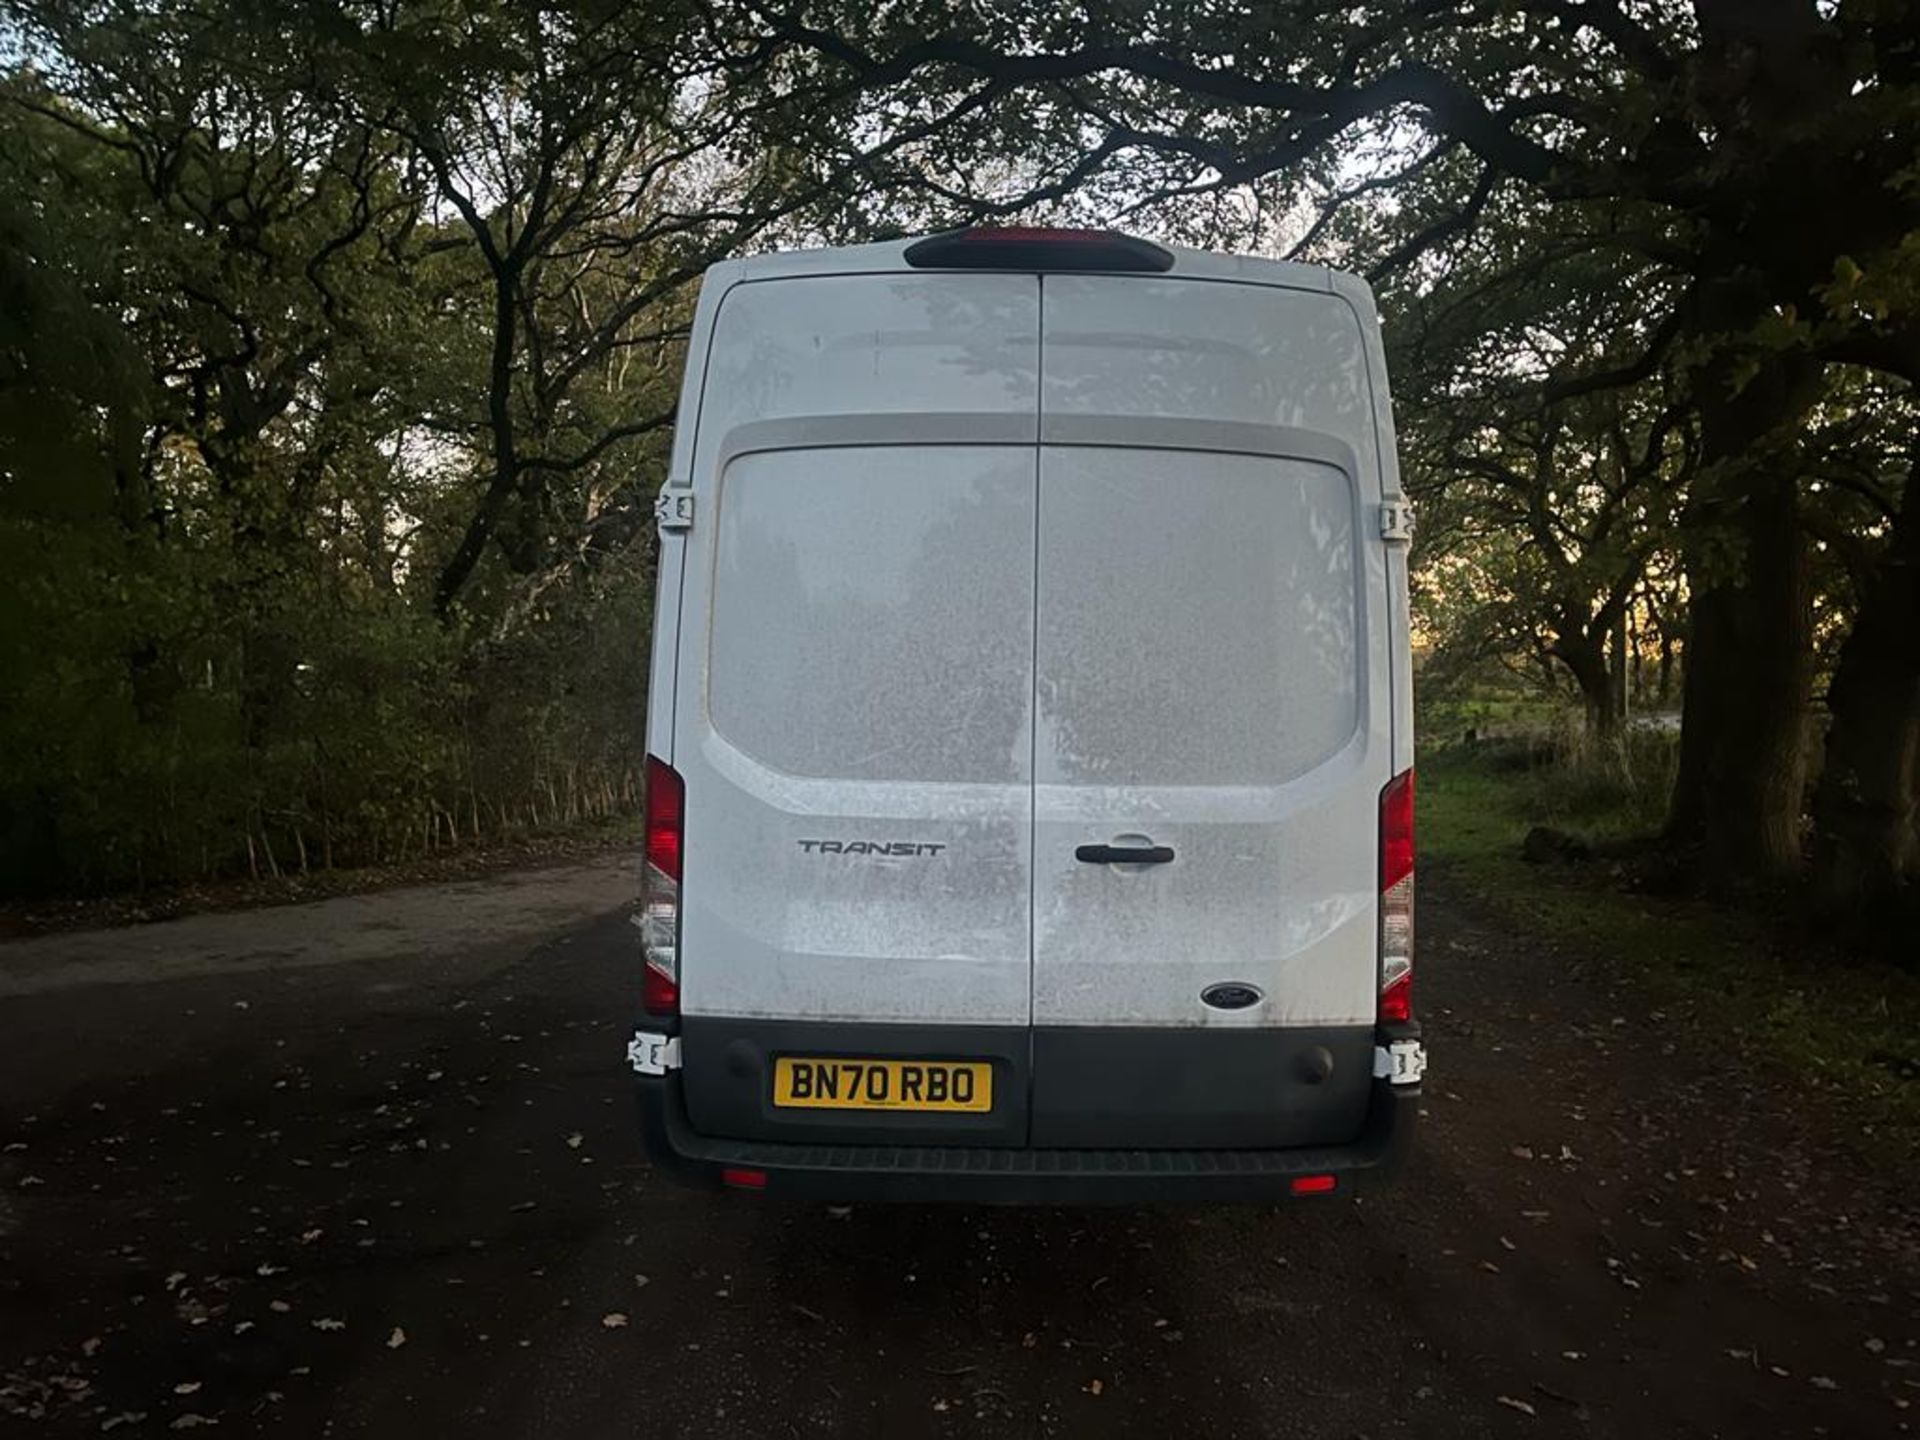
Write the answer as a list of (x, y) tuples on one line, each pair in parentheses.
[(1188, 263)]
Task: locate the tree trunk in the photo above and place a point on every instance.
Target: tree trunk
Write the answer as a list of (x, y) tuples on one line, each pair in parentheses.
[(1618, 701), (485, 523), (1749, 647), (1585, 657), (1865, 843)]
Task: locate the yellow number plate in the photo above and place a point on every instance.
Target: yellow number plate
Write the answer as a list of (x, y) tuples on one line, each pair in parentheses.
[(803, 1082)]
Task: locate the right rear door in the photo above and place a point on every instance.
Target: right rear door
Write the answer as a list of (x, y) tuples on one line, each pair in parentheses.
[(1210, 680)]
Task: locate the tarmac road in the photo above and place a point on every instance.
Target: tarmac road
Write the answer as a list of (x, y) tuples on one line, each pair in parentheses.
[(367, 1167)]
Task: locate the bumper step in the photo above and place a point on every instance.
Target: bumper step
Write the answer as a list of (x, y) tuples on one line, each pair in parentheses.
[(989, 1174)]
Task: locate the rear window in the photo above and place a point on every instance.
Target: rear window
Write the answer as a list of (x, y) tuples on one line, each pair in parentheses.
[(872, 613), (1198, 617)]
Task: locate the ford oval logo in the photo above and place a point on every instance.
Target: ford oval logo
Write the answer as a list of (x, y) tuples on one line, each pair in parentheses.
[(1231, 996)]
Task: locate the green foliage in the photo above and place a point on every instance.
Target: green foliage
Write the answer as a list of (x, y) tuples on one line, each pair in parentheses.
[(242, 391)]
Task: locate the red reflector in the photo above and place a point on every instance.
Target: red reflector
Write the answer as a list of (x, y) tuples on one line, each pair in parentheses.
[(666, 807), (1396, 1001), (1013, 247), (1396, 830), (1313, 1184), (659, 995), (744, 1179)]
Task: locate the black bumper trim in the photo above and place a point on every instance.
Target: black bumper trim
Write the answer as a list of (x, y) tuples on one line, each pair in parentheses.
[(997, 1175)]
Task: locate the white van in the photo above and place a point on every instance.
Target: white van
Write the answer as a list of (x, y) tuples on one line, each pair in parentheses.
[(1030, 793)]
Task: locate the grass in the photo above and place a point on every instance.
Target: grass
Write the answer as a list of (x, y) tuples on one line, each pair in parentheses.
[(1844, 1027)]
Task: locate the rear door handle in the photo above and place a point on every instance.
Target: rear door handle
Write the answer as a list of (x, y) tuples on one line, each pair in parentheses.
[(1124, 854)]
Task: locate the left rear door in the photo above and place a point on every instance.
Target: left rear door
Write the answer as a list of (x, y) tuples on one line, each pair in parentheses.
[(854, 727)]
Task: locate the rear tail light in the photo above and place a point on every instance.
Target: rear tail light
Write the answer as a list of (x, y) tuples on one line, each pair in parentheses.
[(744, 1179), (1313, 1184), (1396, 900), (660, 890), (1016, 248)]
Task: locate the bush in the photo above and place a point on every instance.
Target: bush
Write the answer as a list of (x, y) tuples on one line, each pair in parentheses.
[(1607, 789)]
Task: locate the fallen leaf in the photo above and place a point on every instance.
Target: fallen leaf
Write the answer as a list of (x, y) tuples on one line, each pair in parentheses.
[(576, 1140), (309, 1236), (640, 1282), (191, 1421), (91, 1347), (1521, 1152), (325, 1323), (1823, 1382), (397, 1338), (613, 1320), (1512, 1404), (186, 1387), (125, 1417), (1094, 1387), (279, 1307), (173, 1281)]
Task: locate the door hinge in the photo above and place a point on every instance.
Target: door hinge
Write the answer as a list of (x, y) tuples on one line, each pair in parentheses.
[(673, 509), (653, 1054), (1396, 522)]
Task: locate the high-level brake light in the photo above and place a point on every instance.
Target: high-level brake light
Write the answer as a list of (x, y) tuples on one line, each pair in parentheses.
[(1026, 248), (1396, 900), (660, 890)]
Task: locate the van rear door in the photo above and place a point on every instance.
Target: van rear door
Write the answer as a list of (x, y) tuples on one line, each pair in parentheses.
[(854, 703), (1211, 681)]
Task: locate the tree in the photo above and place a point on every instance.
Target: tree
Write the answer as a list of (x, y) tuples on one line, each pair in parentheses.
[(1866, 805), (1679, 121), (271, 336), (1548, 498)]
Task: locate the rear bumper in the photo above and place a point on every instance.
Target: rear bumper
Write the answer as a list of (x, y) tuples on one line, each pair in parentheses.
[(1025, 1176)]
